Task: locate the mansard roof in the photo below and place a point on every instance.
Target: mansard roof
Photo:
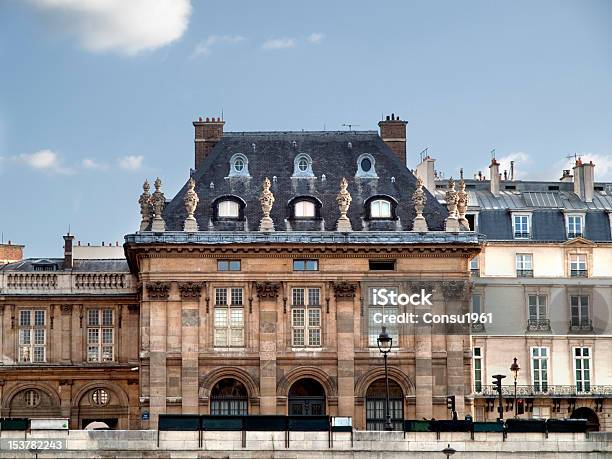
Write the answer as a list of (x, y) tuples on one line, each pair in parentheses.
[(334, 155)]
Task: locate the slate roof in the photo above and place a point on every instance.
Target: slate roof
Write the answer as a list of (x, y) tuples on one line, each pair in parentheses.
[(273, 155), (79, 265), (547, 202)]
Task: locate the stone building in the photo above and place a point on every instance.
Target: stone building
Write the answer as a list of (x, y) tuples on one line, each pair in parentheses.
[(545, 274), (69, 338), (257, 280)]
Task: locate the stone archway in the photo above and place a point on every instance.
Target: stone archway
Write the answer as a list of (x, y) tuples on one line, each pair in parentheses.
[(376, 397), (589, 415), (101, 401), (307, 398), (229, 397), (32, 400)]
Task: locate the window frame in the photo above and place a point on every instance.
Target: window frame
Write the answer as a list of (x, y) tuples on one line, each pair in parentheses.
[(229, 307), (373, 329), (306, 262), (297, 172), (574, 234), (521, 266), (521, 234), (234, 172), (32, 328), (582, 385), (582, 321), (538, 306), (478, 385), (542, 383), (360, 173), (229, 262), (306, 308), (100, 328), (577, 271)]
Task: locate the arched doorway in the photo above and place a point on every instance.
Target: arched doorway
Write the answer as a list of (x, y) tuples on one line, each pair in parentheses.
[(229, 397), (589, 415), (375, 405), (306, 398)]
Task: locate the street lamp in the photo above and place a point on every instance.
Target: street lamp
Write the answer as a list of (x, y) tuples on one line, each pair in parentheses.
[(515, 368), (384, 342), (448, 451)]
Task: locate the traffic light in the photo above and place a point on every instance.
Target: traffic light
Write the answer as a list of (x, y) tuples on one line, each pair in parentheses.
[(450, 404), (497, 379), (520, 406)]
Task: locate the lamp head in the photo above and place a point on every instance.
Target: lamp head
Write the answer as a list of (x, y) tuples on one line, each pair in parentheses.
[(384, 341), (515, 368)]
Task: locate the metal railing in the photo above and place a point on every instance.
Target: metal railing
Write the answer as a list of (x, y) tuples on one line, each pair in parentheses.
[(545, 390), (524, 273), (578, 273), (538, 324), (581, 325)]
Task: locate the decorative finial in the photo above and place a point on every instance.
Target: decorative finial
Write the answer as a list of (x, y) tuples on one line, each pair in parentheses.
[(451, 224), (419, 199), (462, 205), (145, 207), (344, 201), (191, 202), (159, 202), (267, 200)]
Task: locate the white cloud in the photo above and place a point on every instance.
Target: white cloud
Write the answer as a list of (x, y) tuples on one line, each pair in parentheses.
[(92, 164), (45, 160), (130, 163), (520, 161), (279, 43), (603, 165), (315, 38), (204, 47), (125, 26)]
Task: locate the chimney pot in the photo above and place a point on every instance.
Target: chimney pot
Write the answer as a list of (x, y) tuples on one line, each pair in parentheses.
[(68, 238), (495, 177), (199, 118), (393, 133)]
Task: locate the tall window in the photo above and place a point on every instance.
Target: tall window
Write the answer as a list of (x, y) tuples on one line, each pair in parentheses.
[(582, 368), (380, 208), (375, 328), (228, 209), (229, 398), (475, 266), (32, 335), (524, 265), (537, 307), (578, 265), (375, 405), (575, 225), (229, 317), (539, 368), (306, 317), (100, 335), (477, 360), (579, 311), (521, 226)]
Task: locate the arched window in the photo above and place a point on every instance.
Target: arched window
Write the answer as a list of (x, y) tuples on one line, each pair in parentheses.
[(31, 398), (229, 398), (380, 208), (366, 166), (302, 166), (306, 398), (99, 397), (239, 166), (228, 209), (375, 405), (304, 209)]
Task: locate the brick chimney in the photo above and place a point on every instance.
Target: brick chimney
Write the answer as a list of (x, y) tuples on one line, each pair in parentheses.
[(208, 132), (68, 238), (393, 133), (10, 252), (584, 180), (495, 179)]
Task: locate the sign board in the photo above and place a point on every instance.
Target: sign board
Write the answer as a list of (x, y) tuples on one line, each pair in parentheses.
[(145, 416), (338, 421), (49, 424)]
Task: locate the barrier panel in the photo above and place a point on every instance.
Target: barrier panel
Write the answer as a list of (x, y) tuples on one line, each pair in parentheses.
[(526, 425), (14, 424), (488, 426), (566, 425), (185, 422), (417, 426), (49, 424)]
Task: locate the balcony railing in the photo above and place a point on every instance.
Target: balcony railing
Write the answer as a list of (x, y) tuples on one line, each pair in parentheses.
[(581, 325), (524, 273), (521, 235), (544, 390), (575, 234), (475, 272), (578, 273), (538, 324), (478, 327)]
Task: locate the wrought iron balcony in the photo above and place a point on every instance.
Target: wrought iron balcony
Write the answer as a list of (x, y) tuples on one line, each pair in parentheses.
[(478, 327), (521, 235), (538, 324), (545, 390), (581, 325), (574, 235), (524, 273), (578, 273), (475, 272)]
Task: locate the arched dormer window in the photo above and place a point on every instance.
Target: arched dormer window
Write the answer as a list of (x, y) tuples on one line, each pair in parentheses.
[(380, 207), (366, 166), (302, 166), (228, 208), (305, 208), (239, 166)]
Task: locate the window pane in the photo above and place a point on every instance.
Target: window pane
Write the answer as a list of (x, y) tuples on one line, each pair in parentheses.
[(107, 317), (236, 297), (298, 317), (314, 337), (313, 296), (220, 317), (228, 209), (298, 296), (234, 265), (304, 209), (92, 318), (24, 318), (314, 318), (312, 265), (39, 318), (299, 265), (221, 296)]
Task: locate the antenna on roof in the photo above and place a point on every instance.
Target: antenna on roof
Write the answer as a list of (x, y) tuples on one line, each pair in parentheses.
[(350, 126), (575, 156), (424, 151), (221, 113), (493, 154)]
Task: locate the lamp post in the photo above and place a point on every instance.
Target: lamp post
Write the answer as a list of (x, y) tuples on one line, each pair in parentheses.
[(515, 368), (384, 342)]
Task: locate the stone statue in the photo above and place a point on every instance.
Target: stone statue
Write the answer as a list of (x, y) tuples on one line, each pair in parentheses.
[(344, 201), (191, 202), (159, 201), (145, 207), (451, 224), (419, 199), (462, 205), (267, 200)]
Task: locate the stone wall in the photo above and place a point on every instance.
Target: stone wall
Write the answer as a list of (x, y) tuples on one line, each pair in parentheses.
[(387, 445)]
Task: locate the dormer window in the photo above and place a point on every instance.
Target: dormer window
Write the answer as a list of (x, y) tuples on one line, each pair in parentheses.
[(380, 208), (304, 209), (521, 226), (239, 166), (365, 166), (228, 209), (575, 226), (302, 166)]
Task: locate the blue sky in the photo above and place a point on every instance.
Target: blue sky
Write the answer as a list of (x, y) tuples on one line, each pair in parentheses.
[(97, 96)]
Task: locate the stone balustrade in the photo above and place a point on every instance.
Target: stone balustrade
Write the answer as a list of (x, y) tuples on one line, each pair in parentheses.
[(66, 283)]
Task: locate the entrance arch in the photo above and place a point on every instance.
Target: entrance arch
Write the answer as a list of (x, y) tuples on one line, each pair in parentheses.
[(589, 415), (307, 398), (229, 397), (375, 405)]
